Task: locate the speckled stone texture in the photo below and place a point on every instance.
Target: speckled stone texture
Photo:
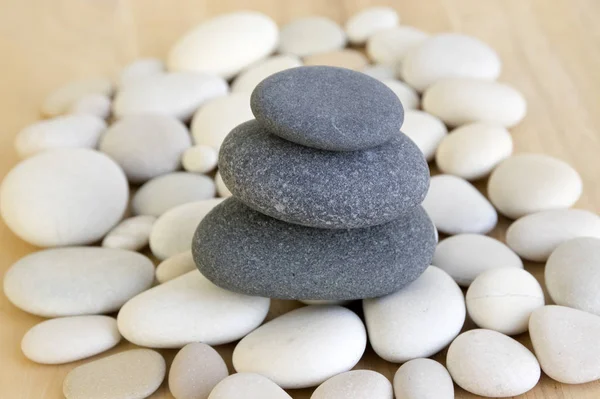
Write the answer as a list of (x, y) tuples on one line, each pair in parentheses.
[(247, 252), (328, 108), (325, 189)]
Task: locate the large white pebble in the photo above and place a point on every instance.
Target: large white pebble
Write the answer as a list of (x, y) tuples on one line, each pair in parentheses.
[(423, 379), (68, 339), (64, 197), (356, 384), (70, 131), (224, 45), (426, 130), (189, 309), (466, 256), (92, 104), (530, 183), (213, 122), (131, 234), (406, 94), (535, 236), (175, 266), (365, 23), (572, 274), (390, 46), (417, 321), (222, 189), (173, 232), (247, 80), (140, 69), (502, 299), (177, 94), (60, 100), (380, 72), (311, 35), (473, 151), (248, 386), (77, 281), (199, 159), (304, 347), (488, 363), (566, 342), (168, 191), (456, 207)]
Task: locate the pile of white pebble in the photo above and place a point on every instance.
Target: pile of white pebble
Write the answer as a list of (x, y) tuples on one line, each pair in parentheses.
[(105, 166)]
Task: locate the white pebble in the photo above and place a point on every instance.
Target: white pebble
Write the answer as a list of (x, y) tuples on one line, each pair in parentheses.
[(423, 379), (248, 386), (140, 69), (311, 35), (248, 79), (175, 266), (61, 99), (390, 46), (426, 130), (380, 71), (131, 234), (365, 23), (406, 94), (199, 159), (222, 189), (355, 384), (92, 104)]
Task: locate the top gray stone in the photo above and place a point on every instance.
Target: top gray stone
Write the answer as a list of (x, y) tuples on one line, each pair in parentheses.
[(328, 108)]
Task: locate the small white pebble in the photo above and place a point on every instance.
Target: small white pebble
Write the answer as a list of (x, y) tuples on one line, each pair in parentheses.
[(199, 159), (61, 99), (380, 71), (390, 46), (140, 69), (92, 104), (426, 130), (132, 234), (369, 21), (423, 379), (175, 266), (406, 94)]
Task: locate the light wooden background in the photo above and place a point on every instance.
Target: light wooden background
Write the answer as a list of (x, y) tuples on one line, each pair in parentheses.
[(550, 49)]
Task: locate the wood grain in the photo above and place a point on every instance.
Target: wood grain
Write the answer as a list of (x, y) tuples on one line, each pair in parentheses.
[(550, 50)]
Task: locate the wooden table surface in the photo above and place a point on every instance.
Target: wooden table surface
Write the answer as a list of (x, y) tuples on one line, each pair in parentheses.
[(550, 51)]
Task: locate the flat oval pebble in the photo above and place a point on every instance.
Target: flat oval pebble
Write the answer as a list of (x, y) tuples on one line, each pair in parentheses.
[(426, 130), (311, 35), (473, 151), (536, 236), (365, 23), (213, 122), (248, 79), (466, 256), (132, 233), (423, 379), (356, 384), (327, 108), (92, 104), (330, 189), (70, 131), (133, 374), (77, 281), (530, 183), (456, 207), (224, 45), (458, 101), (390, 46), (572, 274), (567, 344), (304, 347), (168, 191), (146, 146), (417, 321), (345, 58), (248, 386), (380, 71), (199, 159), (502, 299), (349, 263), (173, 232), (140, 69), (406, 94), (63, 197), (196, 370), (487, 363), (222, 189), (175, 266), (60, 100), (177, 94), (68, 339), (189, 309)]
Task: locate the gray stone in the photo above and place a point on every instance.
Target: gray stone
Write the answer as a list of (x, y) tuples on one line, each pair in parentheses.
[(328, 108), (325, 189), (245, 251)]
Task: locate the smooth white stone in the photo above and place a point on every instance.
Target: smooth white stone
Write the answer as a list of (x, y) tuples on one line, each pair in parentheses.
[(222, 189), (166, 192), (64, 197), (456, 207), (466, 256), (213, 122), (140, 69), (175, 266), (356, 384), (502, 299), (530, 183), (189, 309), (406, 94), (423, 379), (247, 386), (225, 45), (417, 321), (199, 159), (473, 151), (92, 104), (304, 347), (61, 99), (173, 232), (69, 131), (380, 72), (248, 79), (535, 236), (177, 94), (365, 23), (566, 342), (488, 363), (77, 280), (426, 130), (572, 274), (390, 46), (458, 101), (68, 339), (131, 234), (311, 35)]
